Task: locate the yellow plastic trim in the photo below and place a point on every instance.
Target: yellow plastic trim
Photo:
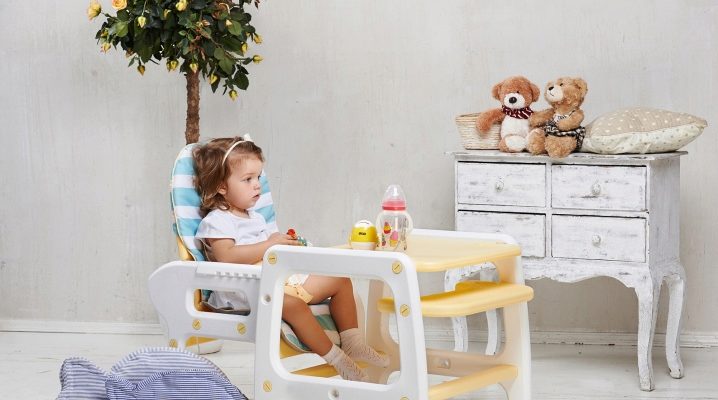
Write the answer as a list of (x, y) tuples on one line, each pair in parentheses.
[(184, 254), (435, 254), (470, 297), (472, 382)]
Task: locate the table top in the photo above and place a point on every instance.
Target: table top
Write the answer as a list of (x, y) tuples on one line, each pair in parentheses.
[(498, 156), (435, 254)]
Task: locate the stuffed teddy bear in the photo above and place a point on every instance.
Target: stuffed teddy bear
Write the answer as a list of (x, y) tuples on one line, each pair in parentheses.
[(558, 130), (516, 95)]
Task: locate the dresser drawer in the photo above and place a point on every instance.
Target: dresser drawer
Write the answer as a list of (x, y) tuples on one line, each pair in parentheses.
[(501, 184), (597, 187), (528, 229), (598, 238)]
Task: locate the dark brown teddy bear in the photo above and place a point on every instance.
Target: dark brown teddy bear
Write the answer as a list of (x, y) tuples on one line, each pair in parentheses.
[(558, 130)]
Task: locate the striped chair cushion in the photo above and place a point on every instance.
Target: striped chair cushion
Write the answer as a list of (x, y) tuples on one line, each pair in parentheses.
[(152, 373)]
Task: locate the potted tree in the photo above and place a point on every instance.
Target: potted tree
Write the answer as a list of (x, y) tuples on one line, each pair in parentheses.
[(195, 37)]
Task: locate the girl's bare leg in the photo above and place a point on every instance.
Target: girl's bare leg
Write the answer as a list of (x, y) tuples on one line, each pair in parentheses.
[(297, 314), (343, 309)]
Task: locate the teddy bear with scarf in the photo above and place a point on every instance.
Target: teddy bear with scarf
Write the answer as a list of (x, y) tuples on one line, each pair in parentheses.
[(558, 130), (516, 95)]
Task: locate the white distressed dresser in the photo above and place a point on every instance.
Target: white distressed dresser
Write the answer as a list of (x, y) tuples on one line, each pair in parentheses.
[(580, 217)]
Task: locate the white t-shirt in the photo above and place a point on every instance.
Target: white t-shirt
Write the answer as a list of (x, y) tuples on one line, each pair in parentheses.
[(221, 224)]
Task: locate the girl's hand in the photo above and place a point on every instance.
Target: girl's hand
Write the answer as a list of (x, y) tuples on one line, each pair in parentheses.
[(281, 238)]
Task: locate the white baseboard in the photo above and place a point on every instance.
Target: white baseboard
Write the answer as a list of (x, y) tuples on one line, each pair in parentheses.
[(688, 339), (119, 328)]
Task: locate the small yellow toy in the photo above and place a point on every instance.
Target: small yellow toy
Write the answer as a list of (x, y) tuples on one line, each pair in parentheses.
[(363, 236)]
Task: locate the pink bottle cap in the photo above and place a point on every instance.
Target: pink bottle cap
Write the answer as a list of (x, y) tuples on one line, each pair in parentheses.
[(394, 199)]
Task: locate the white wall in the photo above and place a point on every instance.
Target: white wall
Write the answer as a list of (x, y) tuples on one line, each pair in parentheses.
[(353, 95)]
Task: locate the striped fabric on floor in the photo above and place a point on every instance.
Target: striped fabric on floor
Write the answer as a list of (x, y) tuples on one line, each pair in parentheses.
[(151, 373)]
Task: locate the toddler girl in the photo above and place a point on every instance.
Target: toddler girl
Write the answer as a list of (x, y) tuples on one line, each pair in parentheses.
[(228, 173)]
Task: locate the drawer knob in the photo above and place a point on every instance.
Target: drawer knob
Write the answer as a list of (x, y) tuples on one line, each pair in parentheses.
[(596, 189), (499, 186), (596, 239)]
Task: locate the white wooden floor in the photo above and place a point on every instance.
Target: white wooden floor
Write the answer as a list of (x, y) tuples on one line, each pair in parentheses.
[(30, 363)]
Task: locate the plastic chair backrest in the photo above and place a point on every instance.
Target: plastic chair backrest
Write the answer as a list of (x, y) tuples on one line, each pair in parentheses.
[(185, 202)]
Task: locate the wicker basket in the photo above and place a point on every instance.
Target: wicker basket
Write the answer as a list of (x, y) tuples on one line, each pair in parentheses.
[(471, 139)]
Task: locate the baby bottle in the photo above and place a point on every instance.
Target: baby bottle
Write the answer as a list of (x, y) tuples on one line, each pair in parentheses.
[(393, 222)]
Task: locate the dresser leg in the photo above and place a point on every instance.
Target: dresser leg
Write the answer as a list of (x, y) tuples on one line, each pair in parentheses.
[(676, 284), (487, 272), (493, 317), (648, 293), (461, 333)]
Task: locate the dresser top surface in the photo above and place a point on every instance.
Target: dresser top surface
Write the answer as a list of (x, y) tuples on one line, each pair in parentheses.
[(579, 158)]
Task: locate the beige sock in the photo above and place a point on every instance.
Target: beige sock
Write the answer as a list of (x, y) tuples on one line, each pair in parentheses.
[(344, 365), (353, 344)]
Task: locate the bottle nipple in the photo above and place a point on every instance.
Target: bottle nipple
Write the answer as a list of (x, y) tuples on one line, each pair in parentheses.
[(394, 199)]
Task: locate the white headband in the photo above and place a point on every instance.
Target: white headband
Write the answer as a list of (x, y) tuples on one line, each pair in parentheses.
[(245, 138)]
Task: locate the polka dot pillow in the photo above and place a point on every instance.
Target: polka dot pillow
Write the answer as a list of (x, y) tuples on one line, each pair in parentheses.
[(641, 130)]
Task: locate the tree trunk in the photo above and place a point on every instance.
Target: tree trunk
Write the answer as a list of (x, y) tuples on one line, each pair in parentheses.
[(191, 132)]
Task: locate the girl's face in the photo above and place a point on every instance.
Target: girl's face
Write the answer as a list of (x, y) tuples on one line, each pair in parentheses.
[(241, 190)]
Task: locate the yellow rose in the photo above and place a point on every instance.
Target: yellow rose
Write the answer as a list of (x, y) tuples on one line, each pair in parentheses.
[(181, 5), (106, 46), (172, 65), (212, 79), (141, 21), (257, 59), (119, 4), (194, 67), (165, 13), (257, 39), (93, 10), (233, 94), (141, 69), (244, 48)]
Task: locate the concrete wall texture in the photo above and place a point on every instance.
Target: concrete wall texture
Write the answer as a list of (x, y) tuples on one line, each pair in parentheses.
[(352, 96)]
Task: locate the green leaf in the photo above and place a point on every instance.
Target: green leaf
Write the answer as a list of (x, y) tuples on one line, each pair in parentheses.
[(144, 51), (231, 43), (208, 47), (226, 64), (119, 29), (235, 29), (219, 54), (123, 15), (242, 80)]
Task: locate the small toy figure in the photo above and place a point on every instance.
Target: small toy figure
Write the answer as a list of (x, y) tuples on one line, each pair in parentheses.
[(302, 241)]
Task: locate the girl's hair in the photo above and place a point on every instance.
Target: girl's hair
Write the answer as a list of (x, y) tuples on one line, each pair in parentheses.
[(213, 166)]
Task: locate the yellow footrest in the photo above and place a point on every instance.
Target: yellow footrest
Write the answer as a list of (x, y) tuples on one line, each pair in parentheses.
[(471, 382), (470, 297)]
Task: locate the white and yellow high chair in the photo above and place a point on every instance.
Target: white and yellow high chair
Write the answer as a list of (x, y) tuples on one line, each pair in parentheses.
[(173, 286)]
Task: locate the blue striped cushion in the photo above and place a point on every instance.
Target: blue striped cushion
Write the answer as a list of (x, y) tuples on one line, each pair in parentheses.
[(151, 373)]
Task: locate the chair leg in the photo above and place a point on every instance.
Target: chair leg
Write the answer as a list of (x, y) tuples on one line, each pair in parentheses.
[(517, 351)]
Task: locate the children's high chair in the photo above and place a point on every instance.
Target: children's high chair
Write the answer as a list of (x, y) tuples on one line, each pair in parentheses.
[(393, 290)]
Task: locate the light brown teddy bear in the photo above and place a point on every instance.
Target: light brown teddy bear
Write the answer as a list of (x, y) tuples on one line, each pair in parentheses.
[(516, 95), (558, 130)]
